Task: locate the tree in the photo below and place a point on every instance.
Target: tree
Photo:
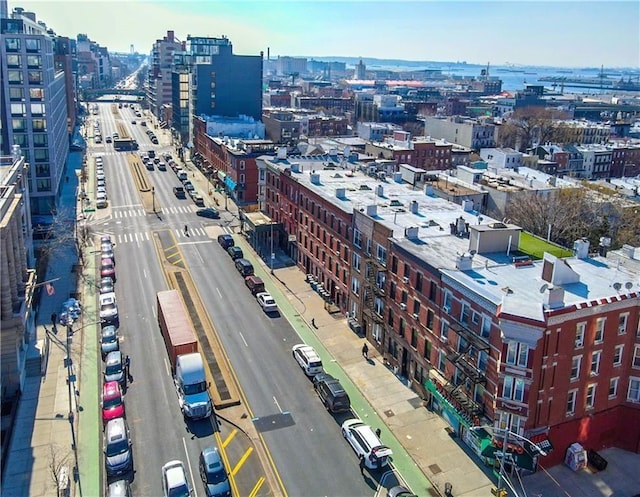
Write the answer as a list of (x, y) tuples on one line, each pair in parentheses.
[(58, 469), (532, 125)]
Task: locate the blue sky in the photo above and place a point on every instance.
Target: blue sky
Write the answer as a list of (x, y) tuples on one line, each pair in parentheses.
[(557, 33)]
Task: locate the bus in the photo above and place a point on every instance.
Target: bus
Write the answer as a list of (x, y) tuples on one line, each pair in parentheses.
[(125, 144)]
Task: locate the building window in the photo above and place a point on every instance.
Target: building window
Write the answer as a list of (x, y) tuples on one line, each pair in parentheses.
[(448, 299), (599, 335), (430, 316), (43, 185), (381, 254), (357, 238), (512, 350), (242, 165), (355, 285), (414, 338), (617, 355), (575, 367), (34, 61), (580, 329), (427, 350), (444, 330), (613, 387), (14, 77), (636, 357), (36, 93), (356, 261), (591, 396), (442, 359), (376, 333), (622, 323), (32, 44), (595, 362), (12, 44), (486, 327), (513, 388), (483, 360), (379, 306), (419, 279), (368, 246), (35, 77), (633, 394), (465, 312), (13, 61), (475, 317), (571, 402)]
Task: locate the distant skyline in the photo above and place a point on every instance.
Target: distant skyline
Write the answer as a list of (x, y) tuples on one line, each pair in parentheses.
[(568, 33)]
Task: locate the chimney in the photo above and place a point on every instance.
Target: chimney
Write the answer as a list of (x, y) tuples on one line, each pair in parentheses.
[(581, 248), (428, 190), (314, 178), (397, 177), (372, 210), (464, 262), (411, 232), (554, 297), (413, 206), (380, 191), (340, 193)]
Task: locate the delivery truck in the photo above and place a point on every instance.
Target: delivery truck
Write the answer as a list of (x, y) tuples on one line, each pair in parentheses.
[(175, 326)]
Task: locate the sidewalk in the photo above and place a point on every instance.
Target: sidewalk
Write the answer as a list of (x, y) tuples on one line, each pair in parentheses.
[(44, 447)]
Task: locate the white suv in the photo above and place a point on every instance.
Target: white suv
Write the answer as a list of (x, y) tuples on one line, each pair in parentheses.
[(366, 443), (308, 359), (174, 480)]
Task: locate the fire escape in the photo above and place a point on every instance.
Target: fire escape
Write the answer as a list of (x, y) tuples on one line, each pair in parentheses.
[(373, 288), (465, 361)]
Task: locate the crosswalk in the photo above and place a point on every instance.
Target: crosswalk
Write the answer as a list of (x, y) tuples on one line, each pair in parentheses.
[(196, 234), (119, 213)]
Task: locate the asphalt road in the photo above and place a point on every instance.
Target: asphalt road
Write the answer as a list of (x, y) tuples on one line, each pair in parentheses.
[(303, 439)]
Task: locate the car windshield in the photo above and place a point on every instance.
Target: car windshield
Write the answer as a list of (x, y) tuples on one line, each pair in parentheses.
[(107, 267), (195, 388), (108, 307), (181, 491), (109, 338), (118, 446), (112, 402), (113, 369)]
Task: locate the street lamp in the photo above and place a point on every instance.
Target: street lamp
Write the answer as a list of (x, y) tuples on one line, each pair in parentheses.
[(153, 198), (272, 254), (503, 455)]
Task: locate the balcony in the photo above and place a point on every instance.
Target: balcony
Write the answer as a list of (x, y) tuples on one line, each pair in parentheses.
[(461, 362), (472, 338)]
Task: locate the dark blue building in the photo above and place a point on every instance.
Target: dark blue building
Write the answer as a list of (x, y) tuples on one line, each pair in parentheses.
[(220, 82)]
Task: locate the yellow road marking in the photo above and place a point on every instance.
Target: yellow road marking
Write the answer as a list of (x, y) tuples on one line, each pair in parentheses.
[(258, 486), (230, 437), (242, 460)]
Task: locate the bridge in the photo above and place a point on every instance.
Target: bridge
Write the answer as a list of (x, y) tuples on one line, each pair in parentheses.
[(90, 95)]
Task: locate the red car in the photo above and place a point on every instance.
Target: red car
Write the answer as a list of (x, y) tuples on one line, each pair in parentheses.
[(108, 269), (112, 401)]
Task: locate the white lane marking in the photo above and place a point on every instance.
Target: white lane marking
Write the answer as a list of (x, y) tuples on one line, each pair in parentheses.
[(241, 336), (219, 293), (195, 492), (275, 401)]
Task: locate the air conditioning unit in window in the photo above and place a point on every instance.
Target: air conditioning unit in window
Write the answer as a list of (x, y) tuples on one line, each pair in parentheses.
[(405, 279), (416, 316), (403, 306)]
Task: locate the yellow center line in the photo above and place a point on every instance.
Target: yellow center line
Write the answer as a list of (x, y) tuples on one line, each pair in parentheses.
[(242, 460), (230, 437), (258, 486)]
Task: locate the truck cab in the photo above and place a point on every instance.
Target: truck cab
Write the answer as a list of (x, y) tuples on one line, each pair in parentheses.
[(191, 386)]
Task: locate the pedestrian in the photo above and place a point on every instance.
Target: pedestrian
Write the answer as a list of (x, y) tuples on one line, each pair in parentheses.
[(186, 230), (313, 322), (127, 365), (378, 431), (361, 464), (365, 351)]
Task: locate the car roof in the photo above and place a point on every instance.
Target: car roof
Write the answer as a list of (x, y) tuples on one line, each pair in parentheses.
[(107, 298), (175, 473), (211, 456), (114, 356), (110, 388)]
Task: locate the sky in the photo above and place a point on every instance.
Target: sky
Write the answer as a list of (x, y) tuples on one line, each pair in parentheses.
[(570, 33)]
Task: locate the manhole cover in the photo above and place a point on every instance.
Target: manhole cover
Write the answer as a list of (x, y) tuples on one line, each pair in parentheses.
[(435, 469), (389, 413)]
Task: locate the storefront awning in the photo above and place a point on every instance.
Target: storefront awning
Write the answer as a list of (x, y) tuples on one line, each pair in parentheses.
[(542, 441), (230, 183)]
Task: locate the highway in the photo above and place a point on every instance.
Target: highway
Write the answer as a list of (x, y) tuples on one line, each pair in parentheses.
[(302, 438)]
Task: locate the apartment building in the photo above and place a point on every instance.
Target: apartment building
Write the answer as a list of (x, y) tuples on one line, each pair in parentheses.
[(625, 159), (18, 279), (549, 349), (503, 158), (468, 132), (160, 82), (34, 105), (596, 161)]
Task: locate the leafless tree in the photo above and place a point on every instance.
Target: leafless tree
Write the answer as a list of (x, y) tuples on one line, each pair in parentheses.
[(530, 125), (57, 462)]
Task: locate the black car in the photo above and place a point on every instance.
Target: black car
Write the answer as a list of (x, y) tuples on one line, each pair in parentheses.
[(209, 212), (331, 393), (235, 252), (226, 241)]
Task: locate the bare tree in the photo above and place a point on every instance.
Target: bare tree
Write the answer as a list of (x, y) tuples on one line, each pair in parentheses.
[(57, 463), (530, 125)]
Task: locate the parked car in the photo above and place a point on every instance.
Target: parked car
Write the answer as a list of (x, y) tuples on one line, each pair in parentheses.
[(106, 285), (244, 267), (107, 268), (307, 358), (106, 252), (235, 253), (109, 341), (225, 240), (179, 192), (400, 491), (119, 488), (213, 473), (366, 443), (331, 393), (113, 367), (112, 401), (198, 200), (267, 302), (174, 480), (108, 308), (254, 283), (117, 447), (208, 212), (101, 201)]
